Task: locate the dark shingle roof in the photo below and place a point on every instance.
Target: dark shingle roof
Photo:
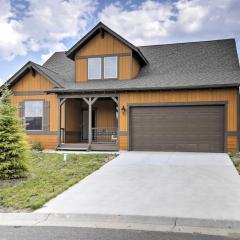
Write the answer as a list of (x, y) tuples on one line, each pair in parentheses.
[(170, 66)]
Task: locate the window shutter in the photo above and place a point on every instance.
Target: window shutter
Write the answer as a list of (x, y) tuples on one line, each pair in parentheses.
[(21, 109), (46, 116)]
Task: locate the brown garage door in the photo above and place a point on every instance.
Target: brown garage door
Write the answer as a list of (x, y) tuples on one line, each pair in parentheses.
[(177, 128)]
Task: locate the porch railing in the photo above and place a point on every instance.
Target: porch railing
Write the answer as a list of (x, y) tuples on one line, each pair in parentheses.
[(104, 135)]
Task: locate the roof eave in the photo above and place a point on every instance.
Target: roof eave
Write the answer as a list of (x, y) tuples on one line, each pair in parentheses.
[(65, 90)]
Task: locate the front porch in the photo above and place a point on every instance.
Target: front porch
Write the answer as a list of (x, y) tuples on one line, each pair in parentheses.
[(88, 123)]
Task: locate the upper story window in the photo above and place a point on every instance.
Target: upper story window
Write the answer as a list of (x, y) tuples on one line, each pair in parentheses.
[(102, 68), (110, 67), (34, 115), (94, 68)]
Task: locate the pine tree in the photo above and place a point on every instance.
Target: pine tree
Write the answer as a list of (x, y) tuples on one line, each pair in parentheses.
[(14, 150)]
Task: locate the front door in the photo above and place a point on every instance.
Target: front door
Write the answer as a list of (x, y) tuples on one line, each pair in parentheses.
[(85, 123)]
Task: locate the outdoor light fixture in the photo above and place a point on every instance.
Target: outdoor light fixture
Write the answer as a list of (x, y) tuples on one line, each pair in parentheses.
[(123, 109)]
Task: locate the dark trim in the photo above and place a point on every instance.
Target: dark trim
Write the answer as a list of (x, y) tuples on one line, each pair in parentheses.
[(232, 133), (28, 93), (213, 86), (172, 104), (71, 52), (123, 133), (104, 55), (88, 95), (41, 132)]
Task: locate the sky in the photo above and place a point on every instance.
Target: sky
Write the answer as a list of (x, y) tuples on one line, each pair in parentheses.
[(34, 29)]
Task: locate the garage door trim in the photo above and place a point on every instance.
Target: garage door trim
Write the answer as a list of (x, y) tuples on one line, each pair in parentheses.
[(175, 104)]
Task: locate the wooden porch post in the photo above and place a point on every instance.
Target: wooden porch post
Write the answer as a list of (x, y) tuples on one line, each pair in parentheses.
[(61, 102), (90, 101)]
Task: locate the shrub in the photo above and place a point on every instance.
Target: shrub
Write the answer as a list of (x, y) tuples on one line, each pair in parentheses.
[(14, 150), (37, 146)]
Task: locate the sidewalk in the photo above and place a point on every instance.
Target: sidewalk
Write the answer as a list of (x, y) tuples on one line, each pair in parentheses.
[(163, 224)]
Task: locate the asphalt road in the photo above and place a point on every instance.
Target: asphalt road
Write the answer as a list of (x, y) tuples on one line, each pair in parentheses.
[(68, 233)]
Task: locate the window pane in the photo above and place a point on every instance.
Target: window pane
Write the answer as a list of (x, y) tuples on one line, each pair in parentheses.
[(33, 115), (94, 68), (33, 108), (33, 123), (110, 67)]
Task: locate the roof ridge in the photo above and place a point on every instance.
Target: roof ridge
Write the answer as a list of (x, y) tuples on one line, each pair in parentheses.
[(182, 43)]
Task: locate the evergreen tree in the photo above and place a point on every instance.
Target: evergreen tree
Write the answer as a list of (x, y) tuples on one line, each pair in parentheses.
[(14, 150)]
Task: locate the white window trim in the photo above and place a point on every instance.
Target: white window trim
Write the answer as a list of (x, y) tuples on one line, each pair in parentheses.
[(102, 67), (34, 100)]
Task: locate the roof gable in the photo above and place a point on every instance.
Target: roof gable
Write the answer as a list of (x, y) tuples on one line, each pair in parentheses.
[(32, 67), (101, 28)]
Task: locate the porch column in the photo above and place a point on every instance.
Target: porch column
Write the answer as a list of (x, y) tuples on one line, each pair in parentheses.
[(61, 102), (90, 101)]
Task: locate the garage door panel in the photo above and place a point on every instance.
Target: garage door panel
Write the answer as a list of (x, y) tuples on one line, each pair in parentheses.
[(179, 128)]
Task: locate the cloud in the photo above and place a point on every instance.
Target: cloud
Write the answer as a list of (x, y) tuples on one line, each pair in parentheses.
[(44, 26), (155, 22)]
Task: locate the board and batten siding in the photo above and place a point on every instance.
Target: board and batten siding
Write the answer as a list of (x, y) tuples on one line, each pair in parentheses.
[(128, 66), (228, 95), (29, 84)]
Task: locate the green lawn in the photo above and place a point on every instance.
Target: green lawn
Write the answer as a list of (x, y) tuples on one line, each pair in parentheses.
[(236, 160), (49, 176)]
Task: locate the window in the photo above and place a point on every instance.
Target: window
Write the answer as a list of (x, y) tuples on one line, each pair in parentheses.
[(34, 115), (110, 67), (102, 67), (94, 68)]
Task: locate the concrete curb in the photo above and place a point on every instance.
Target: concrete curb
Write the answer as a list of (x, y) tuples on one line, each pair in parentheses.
[(146, 223)]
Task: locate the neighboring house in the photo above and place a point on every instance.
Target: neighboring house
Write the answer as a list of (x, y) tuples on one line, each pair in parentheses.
[(107, 94)]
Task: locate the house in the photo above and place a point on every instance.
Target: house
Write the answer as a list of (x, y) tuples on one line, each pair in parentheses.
[(107, 94)]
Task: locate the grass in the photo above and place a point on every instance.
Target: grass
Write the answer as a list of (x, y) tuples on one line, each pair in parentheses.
[(236, 160), (49, 176)]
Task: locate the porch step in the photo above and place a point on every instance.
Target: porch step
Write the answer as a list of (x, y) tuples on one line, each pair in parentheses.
[(73, 146), (84, 147)]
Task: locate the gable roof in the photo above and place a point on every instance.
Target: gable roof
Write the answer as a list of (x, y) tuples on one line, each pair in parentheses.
[(205, 64), (170, 66), (101, 27), (52, 76)]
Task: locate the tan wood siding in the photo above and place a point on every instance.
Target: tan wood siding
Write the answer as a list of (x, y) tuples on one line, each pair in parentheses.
[(185, 96), (106, 114), (48, 141), (135, 67), (30, 83), (125, 68), (16, 100), (100, 46), (81, 70)]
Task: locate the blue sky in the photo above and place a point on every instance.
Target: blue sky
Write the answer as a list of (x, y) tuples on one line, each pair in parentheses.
[(34, 29)]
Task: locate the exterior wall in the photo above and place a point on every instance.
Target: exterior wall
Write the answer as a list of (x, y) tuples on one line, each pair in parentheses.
[(30, 83), (109, 45), (30, 88), (105, 117), (135, 67), (186, 96)]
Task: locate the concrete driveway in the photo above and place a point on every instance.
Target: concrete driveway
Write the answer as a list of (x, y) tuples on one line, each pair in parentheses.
[(191, 185)]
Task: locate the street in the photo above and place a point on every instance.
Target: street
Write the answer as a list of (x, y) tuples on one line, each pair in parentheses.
[(69, 233)]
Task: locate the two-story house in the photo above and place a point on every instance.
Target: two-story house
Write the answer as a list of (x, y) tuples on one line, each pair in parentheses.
[(107, 94)]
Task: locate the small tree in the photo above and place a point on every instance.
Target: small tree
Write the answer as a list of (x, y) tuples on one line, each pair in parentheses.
[(14, 150)]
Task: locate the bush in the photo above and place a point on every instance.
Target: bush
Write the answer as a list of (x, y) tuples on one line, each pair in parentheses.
[(14, 150), (37, 146)]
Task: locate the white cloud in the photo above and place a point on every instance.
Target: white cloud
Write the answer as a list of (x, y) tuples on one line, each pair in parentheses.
[(183, 20), (44, 27), (11, 39)]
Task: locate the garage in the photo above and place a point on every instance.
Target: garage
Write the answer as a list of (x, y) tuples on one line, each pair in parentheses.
[(198, 128)]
